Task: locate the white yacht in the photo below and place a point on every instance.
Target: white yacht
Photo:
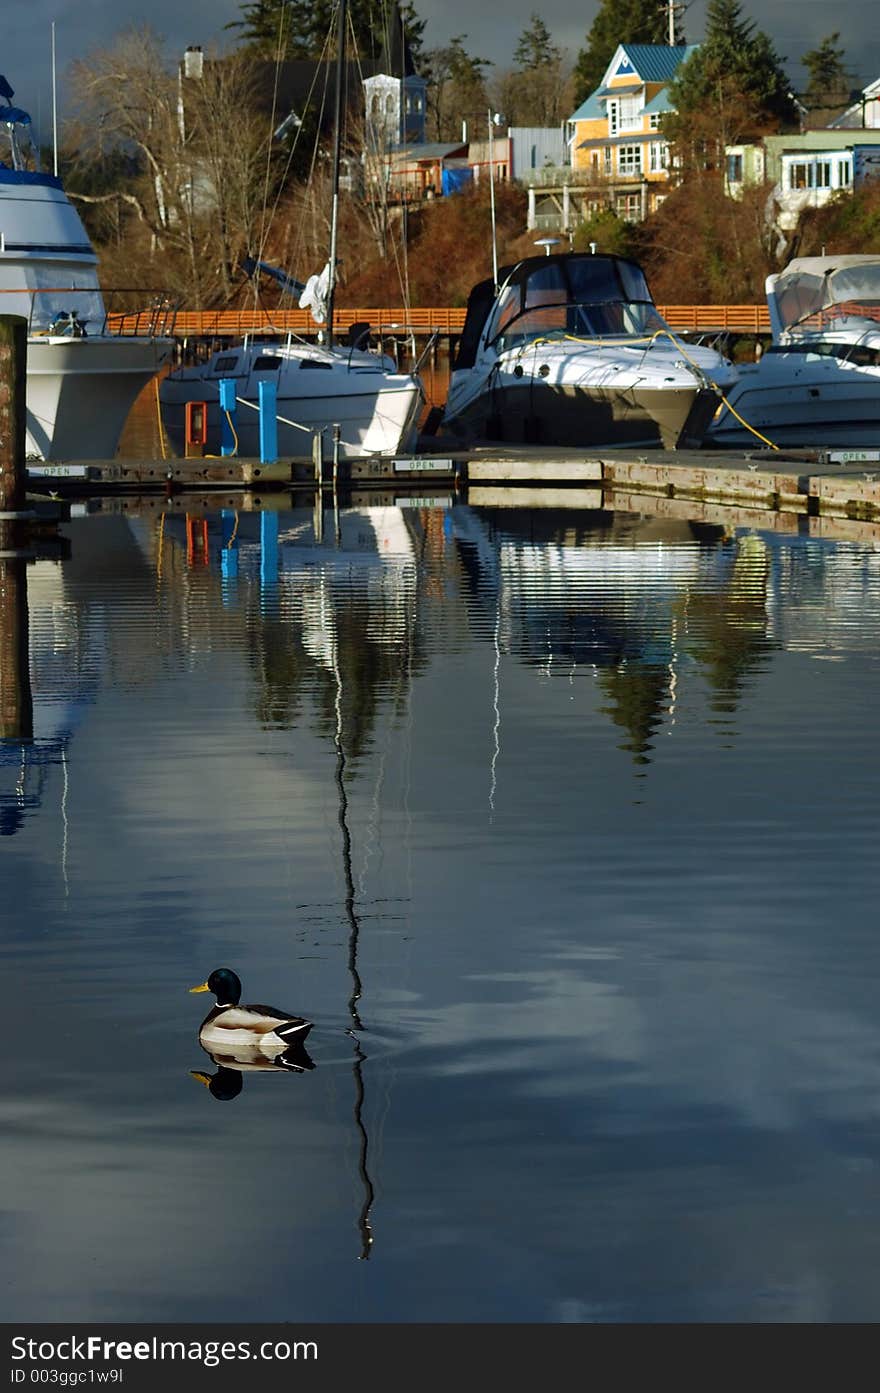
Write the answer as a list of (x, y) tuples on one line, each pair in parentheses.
[(571, 350), (82, 380), (818, 383)]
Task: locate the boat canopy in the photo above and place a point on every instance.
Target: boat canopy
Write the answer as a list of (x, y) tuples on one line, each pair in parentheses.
[(18, 150), (826, 287), (573, 294)]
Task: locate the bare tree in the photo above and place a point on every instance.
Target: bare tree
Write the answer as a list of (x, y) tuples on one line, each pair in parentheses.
[(203, 158)]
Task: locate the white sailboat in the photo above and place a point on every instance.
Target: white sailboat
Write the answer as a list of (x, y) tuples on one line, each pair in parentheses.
[(82, 380), (318, 386)]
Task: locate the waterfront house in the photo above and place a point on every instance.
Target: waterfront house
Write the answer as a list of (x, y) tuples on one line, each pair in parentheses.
[(615, 135), (803, 170)]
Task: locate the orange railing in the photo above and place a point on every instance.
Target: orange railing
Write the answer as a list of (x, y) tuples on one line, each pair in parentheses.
[(750, 319)]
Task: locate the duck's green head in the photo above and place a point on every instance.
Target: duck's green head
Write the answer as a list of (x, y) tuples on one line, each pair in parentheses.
[(225, 985), (225, 1084)]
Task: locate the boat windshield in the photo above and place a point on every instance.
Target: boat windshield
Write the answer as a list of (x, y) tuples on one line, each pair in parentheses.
[(808, 301), (17, 147), (581, 297)]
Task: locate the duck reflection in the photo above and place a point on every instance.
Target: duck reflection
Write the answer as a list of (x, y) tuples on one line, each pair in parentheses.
[(227, 1081)]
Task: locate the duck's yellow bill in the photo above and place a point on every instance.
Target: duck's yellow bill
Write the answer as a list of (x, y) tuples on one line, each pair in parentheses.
[(203, 988), (202, 1078)]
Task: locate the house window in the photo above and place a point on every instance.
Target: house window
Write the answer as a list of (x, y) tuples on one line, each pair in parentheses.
[(629, 159), (823, 174), (844, 173), (800, 175), (608, 160), (654, 120), (734, 169), (629, 206), (630, 113), (612, 118), (658, 157)]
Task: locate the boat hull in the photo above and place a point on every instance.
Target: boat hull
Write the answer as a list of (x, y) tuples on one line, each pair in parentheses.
[(546, 413), (81, 390), (802, 405), (373, 419)]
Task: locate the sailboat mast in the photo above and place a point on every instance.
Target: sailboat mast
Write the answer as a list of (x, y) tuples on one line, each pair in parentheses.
[(337, 160)]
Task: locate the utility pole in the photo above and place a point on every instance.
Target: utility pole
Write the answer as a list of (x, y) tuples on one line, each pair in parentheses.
[(672, 8)]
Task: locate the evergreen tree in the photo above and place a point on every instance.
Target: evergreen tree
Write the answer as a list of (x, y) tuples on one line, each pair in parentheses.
[(829, 83), (731, 88), (535, 48), (304, 26), (618, 22), (456, 87)]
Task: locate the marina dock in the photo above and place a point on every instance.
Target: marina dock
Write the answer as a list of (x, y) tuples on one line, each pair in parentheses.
[(811, 483)]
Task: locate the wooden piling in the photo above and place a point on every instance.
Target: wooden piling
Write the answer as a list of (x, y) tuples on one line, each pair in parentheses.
[(13, 367), (16, 700)]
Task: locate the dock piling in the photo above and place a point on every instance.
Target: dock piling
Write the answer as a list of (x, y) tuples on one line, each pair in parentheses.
[(228, 440), (13, 368), (268, 392)]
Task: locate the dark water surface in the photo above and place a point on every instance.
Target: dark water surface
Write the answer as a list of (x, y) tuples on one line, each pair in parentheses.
[(575, 816)]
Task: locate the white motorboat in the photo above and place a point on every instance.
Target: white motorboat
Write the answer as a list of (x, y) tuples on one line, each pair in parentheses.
[(818, 383), (82, 380), (317, 386), (571, 350)]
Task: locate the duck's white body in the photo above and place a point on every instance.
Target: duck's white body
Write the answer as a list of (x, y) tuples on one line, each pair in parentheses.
[(250, 1033)]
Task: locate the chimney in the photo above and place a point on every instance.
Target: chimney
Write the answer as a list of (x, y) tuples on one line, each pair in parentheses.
[(193, 61)]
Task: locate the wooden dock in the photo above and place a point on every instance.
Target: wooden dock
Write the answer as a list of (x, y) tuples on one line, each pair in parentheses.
[(812, 483)]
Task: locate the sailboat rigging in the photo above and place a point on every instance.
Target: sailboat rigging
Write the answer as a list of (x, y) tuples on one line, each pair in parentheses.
[(319, 386)]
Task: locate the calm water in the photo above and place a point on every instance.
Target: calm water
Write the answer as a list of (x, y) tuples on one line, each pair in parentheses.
[(571, 818)]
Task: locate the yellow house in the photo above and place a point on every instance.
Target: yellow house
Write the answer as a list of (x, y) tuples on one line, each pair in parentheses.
[(616, 143)]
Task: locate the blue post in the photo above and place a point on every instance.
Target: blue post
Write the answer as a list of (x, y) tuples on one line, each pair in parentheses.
[(268, 422), (227, 423), (268, 545)]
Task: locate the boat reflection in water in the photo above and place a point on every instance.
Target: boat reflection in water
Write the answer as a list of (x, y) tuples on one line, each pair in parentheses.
[(637, 603)]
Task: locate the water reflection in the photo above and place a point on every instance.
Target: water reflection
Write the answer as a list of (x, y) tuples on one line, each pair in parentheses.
[(227, 1080), (639, 987)]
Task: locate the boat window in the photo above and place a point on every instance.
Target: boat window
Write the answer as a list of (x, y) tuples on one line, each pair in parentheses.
[(311, 363), (267, 362), (507, 306), (226, 363), (799, 297), (856, 291), (593, 280), (586, 296), (546, 286)]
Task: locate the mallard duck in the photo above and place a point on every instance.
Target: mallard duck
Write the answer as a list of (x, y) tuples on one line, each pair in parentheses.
[(246, 1035)]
